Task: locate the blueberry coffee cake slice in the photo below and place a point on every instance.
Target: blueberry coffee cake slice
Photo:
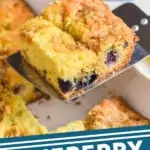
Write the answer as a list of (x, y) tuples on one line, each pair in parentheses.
[(77, 43)]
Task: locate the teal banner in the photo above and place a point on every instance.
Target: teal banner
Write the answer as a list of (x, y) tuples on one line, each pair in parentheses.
[(134, 138)]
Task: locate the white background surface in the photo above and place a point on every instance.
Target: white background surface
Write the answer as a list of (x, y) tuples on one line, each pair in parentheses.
[(133, 85)]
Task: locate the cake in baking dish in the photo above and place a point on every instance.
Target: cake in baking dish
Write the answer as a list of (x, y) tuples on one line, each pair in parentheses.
[(13, 13), (76, 43), (15, 119), (113, 113), (19, 86)]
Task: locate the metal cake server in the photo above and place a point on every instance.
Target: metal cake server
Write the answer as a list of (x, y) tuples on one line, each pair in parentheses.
[(141, 50)]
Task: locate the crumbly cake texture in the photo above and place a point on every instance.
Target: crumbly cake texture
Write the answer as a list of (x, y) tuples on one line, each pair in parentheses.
[(13, 13), (19, 86), (71, 127), (113, 113), (75, 43), (15, 119)]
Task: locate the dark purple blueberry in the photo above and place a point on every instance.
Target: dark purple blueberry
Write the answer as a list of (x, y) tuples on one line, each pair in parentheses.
[(86, 81), (111, 57), (93, 77), (81, 84), (126, 44), (65, 86)]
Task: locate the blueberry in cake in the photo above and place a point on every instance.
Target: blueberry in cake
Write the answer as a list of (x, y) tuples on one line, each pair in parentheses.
[(77, 43)]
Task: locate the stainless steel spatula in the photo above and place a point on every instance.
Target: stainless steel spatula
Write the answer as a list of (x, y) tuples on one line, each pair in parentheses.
[(17, 62)]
